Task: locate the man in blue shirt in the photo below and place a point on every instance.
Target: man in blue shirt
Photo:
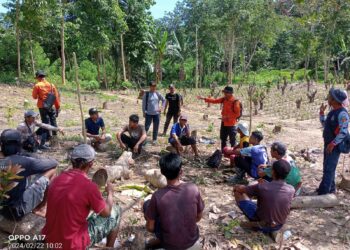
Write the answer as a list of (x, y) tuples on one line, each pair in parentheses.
[(151, 109), (93, 125), (250, 158), (180, 136), (335, 130)]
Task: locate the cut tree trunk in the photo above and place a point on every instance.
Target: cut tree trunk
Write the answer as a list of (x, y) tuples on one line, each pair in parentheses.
[(318, 201), (18, 42), (120, 169)]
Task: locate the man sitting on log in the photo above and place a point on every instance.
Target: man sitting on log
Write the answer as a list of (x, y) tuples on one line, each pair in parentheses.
[(137, 135), (248, 159), (180, 136), (173, 211), (335, 130), (71, 197), (33, 139), (29, 194), (93, 125), (279, 151), (274, 200)]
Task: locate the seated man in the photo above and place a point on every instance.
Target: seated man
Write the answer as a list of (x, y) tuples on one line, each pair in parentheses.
[(30, 136), (274, 200), (71, 197), (279, 151), (137, 136), (173, 212), (180, 136), (248, 159), (29, 195), (93, 124), (243, 132)]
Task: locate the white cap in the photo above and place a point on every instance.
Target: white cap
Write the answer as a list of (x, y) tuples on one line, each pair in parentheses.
[(244, 128)]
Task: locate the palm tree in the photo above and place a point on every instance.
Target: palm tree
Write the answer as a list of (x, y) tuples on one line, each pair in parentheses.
[(158, 43)]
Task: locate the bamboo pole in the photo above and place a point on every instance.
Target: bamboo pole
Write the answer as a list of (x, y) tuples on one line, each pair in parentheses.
[(79, 99)]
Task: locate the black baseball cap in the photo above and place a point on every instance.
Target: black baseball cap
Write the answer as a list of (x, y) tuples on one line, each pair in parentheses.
[(93, 111), (40, 73), (228, 89), (10, 136)]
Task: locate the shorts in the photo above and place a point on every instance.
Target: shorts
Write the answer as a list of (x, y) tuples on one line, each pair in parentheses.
[(99, 227), (249, 209), (34, 194), (185, 141)]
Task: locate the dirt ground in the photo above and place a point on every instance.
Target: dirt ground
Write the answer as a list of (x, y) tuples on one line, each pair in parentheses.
[(310, 228)]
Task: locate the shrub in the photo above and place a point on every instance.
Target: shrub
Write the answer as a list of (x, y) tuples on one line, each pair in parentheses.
[(89, 85), (87, 71), (127, 85)]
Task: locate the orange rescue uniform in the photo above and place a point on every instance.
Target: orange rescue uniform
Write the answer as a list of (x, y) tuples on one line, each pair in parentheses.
[(230, 111), (41, 90)]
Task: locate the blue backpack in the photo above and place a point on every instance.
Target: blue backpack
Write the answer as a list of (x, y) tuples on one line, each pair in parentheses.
[(344, 146)]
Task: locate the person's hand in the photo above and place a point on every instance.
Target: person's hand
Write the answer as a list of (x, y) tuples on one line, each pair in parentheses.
[(61, 131), (261, 173), (238, 188), (261, 180), (323, 108), (262, 166), (330, 148), (123, 146), (57, 112), (103, 136), (136, 149), (109, 188)]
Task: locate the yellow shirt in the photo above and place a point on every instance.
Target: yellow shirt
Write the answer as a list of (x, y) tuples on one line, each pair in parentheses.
[(243, 140)]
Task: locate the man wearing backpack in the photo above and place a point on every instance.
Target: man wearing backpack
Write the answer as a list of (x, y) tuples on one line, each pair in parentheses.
[(231, 112), (173, 103), (47, 95), (151, 109), (335, 130)]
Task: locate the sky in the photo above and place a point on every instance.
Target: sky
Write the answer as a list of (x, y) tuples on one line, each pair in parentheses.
[(158, 10)]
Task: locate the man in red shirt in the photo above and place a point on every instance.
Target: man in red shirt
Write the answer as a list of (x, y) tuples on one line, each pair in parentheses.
[(41, 90), (231, 111), (71, 197)]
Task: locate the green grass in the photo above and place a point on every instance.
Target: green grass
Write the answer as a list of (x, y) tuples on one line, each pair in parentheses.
[(68, 106), (106, 97), (71, 123)]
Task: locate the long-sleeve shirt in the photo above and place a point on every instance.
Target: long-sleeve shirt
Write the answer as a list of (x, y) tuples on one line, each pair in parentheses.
[(152, 103), (41, 90), (27, 130), (342, 129), (231, 109)]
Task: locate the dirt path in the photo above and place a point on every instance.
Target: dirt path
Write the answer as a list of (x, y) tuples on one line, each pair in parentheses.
[(312, 228)]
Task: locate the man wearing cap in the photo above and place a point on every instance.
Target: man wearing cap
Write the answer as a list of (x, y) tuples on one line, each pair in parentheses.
[(335, 130), (270, 213), (231, 112), (180, 136), (151, 109), (173, 102), (71, 197), (47, 95), (29, 194), (93, 125), (31, 136)]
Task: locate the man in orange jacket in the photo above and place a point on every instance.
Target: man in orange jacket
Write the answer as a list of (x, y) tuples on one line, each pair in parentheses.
[(231, 111), (41, 91)]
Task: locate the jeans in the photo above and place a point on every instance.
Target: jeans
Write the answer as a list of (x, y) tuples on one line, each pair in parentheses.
[(48, 117), (227, 131), (330, 162), (170, 116), (244, 163), (156, 120)]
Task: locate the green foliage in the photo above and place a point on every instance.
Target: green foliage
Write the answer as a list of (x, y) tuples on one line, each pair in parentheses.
[(127, 85), (89, 85), (8, 176), (87, 71)]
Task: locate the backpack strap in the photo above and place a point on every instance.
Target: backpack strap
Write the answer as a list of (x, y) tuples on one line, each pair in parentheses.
[(147, 96)]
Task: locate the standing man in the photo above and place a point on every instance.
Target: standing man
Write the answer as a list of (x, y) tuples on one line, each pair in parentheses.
[(93, 125), (47, 95), (231, 112), (151, 109), (174, 102), (335, 130)]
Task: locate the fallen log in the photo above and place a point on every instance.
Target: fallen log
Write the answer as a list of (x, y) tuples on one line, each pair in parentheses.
[(31, 224), (155, 177), (318, 201), (120, 169)]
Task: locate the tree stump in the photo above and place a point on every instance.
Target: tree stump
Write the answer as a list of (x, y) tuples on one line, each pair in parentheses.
[(277, 129), (205, 117), (318, 201), (298, 102), (155, 177), (345, 182), (311, 96), (194, 134), (120, 169), (105, 105)]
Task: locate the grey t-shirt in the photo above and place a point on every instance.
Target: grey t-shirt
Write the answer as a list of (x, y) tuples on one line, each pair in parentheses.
[(274, 199), (152, 99), (137, 132)]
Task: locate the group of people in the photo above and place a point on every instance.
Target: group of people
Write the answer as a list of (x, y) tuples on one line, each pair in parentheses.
[(78, 216)]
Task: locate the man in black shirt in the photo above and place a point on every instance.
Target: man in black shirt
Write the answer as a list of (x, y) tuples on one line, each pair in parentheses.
[(29, 194), (174, 102)]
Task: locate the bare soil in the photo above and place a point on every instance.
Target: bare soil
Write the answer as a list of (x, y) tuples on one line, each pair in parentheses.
[(310, 228)]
